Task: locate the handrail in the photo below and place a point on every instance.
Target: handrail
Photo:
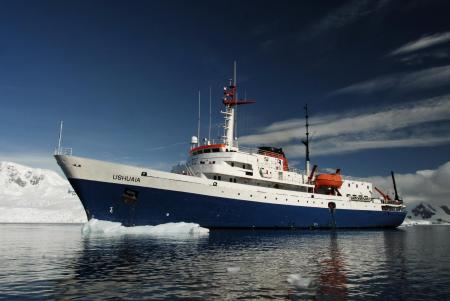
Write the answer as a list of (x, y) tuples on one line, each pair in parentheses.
[(67, 151)]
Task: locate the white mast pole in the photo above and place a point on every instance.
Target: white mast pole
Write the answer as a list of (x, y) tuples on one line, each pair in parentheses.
[(209, 132), (60, 138), (198, 130), (235, 114)]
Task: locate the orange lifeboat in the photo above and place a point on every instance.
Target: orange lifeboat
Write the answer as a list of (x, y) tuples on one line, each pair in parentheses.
[(329, 180)]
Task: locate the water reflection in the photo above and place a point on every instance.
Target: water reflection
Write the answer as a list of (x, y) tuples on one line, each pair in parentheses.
[(332, 278), (51, 262), (329, 282)]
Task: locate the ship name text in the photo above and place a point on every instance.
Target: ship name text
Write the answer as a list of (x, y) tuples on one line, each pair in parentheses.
[(126, 178)]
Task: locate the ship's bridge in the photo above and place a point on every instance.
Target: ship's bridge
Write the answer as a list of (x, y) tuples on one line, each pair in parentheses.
[(264, 166)]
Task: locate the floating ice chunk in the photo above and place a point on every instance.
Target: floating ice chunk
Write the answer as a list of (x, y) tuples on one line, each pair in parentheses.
[(99, 227), (300, 282), (408, 223), (233, 270)]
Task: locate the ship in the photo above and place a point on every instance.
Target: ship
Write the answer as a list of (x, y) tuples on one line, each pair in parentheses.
[(223, 185)]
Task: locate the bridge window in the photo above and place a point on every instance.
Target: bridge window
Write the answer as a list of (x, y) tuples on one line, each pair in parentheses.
[(215, 150), (207, 150)]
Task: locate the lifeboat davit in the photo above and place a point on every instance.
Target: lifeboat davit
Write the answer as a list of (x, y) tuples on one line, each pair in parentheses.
[(329, 180)]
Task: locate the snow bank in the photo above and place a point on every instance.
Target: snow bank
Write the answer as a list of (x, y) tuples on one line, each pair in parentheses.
[(408, 223), (415, 222), (33, 195), (175, 230)]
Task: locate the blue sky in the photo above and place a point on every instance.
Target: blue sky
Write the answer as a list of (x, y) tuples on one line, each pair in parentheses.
[(124, 76)]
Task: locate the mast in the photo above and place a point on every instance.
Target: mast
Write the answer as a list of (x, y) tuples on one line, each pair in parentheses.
[(209, 131), (230, 96), (198, 129), (60, 138), (395, 187), (230, 100), (306, 143)]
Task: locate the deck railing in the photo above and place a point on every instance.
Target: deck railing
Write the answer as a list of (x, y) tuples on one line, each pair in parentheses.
[(67, 151)]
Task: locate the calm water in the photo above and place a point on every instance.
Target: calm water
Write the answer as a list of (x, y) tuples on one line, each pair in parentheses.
[(57, 262)]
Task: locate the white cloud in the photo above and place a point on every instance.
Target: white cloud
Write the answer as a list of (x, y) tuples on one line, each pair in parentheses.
[(422, 43), (349, 144), (401, 82), (417, 58), (430, 186), (398, 126)]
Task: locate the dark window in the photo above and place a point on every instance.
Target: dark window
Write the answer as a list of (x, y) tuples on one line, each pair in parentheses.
[(249, 173), (195, 153), (243, 166), (234, 180), (215, 150), (219, 178), (348, 184), (232, 164), (202, 162), (207, 150), (231, 180), (215, 178), (214, 162)]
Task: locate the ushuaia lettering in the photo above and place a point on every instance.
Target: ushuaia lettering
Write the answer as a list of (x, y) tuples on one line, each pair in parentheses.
[(126, 178)]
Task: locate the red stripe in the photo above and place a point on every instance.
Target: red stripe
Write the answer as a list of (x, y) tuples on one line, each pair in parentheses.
[(206, 146)]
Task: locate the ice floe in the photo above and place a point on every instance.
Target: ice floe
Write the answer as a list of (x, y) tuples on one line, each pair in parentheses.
[(175, 230)]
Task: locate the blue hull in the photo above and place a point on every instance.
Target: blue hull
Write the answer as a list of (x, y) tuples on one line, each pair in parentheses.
[(149, 206)]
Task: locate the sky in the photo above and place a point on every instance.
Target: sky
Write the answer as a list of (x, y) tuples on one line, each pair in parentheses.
[(124, 76)]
